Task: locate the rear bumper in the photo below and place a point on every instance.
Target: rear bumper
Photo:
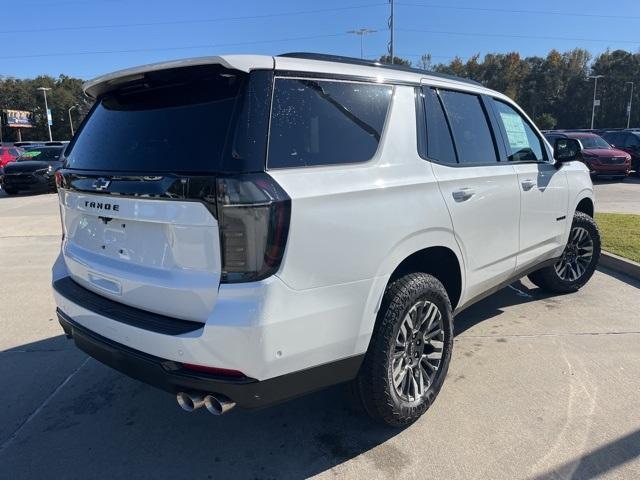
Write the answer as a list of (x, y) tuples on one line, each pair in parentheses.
[(171, 377)]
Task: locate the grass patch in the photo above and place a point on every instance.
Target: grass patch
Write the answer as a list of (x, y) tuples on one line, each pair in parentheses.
[(620, 234)]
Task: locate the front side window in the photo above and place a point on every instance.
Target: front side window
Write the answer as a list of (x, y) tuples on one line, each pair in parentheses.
[(473, 138), (523, 145), (319, 122)]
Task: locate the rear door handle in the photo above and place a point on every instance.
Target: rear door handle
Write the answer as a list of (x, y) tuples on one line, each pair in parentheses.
[(463, 194), (528, 185)]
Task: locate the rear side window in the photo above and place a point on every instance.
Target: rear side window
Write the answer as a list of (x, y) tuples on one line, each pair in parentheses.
[(523, 145), (473, 138), (177, 120), (318, 122), (439, 142)]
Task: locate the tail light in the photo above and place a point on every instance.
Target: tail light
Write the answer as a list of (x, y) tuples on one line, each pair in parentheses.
[(59, 178), (253, 217)]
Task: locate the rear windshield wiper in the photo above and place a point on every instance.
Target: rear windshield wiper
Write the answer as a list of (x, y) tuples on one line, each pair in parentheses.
[(317, 88)]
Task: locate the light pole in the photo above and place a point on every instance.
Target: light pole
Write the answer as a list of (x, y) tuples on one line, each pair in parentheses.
[(71, 121), (595, 87), (391, 30), (361, 32), (46, 109), (629, 104)]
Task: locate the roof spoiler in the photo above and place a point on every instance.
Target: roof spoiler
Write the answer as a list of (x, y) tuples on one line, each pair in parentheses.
[(244, 63)]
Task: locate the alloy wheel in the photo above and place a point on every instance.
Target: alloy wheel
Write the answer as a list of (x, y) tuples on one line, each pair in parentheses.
[(577, 255), (418, 351)]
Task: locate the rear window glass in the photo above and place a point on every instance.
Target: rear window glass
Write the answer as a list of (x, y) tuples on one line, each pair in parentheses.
[(471, 132), (172, 121), (47, 154), (318, 122)]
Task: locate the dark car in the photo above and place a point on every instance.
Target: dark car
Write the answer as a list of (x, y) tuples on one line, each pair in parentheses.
[(34, 170), (597, 154), (629, 141)]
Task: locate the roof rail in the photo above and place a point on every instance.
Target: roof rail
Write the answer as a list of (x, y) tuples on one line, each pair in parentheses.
[(372, 63)]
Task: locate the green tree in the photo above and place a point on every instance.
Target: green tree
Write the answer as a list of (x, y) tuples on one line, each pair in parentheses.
[(396, 60)]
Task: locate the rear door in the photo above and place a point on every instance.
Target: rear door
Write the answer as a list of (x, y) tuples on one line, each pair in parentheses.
[(481, 194), (139, 190), (543, 187), (158, 255)]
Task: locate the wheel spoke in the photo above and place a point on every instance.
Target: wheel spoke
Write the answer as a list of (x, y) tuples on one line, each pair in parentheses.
[(418, 352)]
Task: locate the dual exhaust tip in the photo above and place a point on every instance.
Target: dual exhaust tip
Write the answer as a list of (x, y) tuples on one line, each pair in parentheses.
[(215, 404)]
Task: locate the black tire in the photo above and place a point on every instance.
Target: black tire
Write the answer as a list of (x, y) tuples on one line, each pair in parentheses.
[(549, 279), (374, 387), (10, 191)]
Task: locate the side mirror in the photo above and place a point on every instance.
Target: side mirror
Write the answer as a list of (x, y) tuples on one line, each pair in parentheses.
[(567, 150)]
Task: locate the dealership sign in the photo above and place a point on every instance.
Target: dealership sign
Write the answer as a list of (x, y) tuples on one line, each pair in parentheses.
[(18, 119)]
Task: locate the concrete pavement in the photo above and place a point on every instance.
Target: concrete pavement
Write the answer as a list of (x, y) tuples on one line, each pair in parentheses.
[(615, 196), (539, 387)]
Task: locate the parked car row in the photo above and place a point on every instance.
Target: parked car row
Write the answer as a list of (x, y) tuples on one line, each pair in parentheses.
[(612, 153), (31, 168)]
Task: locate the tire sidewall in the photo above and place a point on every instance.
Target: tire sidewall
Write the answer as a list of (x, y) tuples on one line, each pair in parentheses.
[(584, 221), (375, 383)]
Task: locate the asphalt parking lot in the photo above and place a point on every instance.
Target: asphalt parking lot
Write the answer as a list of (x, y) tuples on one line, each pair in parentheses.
[(539, 387)]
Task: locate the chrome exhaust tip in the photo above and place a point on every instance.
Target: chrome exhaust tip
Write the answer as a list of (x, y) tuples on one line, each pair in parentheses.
[(218, 404), (190, 401)]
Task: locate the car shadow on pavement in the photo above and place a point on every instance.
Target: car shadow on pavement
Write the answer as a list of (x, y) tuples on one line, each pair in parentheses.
[(599, 461), (103, 424), (515, 294)]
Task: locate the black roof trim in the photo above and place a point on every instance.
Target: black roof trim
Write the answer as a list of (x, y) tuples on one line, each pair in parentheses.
[(371, 63)]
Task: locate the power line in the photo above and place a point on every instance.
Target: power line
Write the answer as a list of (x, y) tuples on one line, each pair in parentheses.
[(185, 22), (526, 12), (505, 35), (188, 47)]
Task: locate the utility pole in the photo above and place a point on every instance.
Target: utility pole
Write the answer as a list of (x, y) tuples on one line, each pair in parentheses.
[(595, 87), (71, 121), (629, 104), (391, 28), (361, 32), (46, 109)]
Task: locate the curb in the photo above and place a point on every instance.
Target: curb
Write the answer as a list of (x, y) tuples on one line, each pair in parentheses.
[(620, 264)]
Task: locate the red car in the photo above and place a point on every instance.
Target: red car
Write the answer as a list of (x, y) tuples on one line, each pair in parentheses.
[(598, 155), (9, 154)]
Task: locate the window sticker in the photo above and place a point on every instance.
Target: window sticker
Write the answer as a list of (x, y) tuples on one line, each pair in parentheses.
[(516, 133)]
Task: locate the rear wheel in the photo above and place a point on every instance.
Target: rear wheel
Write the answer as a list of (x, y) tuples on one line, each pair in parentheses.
[(578, 261), (409, 352)]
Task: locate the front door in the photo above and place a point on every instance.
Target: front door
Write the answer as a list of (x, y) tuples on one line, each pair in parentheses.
[(543, 188)]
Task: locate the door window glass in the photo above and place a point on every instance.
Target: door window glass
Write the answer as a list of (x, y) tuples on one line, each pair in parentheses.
[(473, 139), (523, 145), (439, 142)]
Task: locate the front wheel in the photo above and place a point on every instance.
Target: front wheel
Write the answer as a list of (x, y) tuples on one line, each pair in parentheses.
[(409, 353), (578, 261)]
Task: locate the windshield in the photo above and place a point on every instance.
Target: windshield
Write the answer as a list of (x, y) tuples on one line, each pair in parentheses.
[(594, 142), (173, 121), (45, 154)]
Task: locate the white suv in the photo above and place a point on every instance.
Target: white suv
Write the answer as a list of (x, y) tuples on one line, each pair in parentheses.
[(246, 229)]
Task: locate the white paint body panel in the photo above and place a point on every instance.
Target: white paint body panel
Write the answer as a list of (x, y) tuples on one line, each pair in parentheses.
[(160, 256), (351, 226)]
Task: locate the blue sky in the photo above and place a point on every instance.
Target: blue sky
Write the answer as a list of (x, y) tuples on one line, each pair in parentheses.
[(49, 36)]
